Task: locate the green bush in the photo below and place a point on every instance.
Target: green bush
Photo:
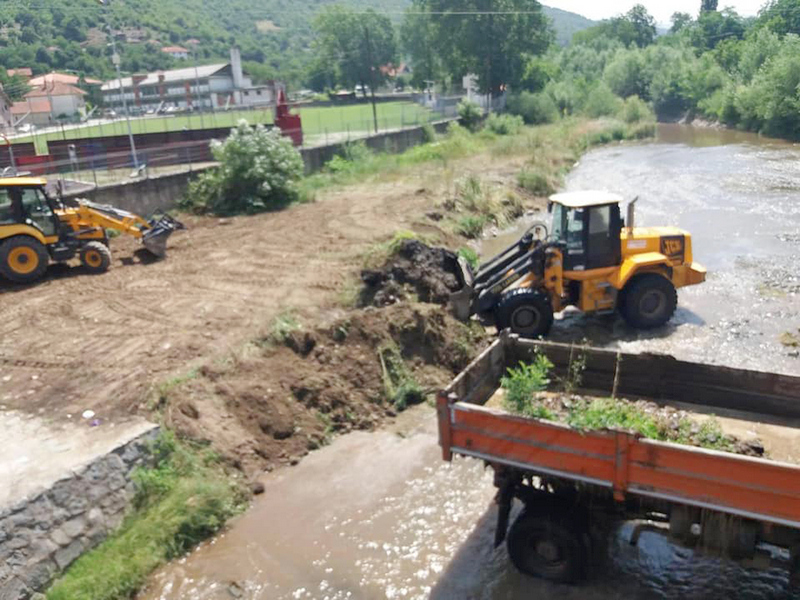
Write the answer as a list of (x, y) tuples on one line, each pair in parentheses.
[(470, 114), (533, 108), (601, 102), (352, 155), (635, 110), (428, 134), (259, 170), (504, 124), (522, 382), (536, 183)]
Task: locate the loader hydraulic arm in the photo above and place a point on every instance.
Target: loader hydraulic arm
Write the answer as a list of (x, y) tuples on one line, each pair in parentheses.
[(112, 218), (153, 233)]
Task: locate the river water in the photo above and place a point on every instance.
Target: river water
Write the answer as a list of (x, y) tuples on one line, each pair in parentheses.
[(380, 516)]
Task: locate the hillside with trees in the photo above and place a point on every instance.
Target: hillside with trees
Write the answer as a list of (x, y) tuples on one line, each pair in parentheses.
[(715, 65), (276, 36)]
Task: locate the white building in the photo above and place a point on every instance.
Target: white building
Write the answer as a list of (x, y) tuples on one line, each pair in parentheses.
[(65, 101), (176, 52), (217, 86)]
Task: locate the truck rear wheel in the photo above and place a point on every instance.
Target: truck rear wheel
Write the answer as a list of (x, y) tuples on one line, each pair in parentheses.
[(649, 301), (96, 257), (547, 545), (23, 259), (526, 312)]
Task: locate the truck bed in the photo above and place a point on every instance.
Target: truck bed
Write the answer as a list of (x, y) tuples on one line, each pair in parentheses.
[(627, 464)]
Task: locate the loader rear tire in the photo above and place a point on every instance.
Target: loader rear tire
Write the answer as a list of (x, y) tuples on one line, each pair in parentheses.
[(23, 259), (528, 313), (95, 257), (649, 301)]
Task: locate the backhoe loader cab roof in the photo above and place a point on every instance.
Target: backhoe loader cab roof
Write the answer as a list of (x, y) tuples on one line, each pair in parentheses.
[(585, 199), (22, 182)]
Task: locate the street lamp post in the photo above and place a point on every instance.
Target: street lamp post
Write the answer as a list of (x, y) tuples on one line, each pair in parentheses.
[(115, 59)]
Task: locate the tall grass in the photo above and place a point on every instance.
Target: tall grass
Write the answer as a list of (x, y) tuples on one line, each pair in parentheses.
[(181, 500)]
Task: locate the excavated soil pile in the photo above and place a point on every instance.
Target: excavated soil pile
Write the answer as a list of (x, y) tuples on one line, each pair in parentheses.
[(282, 399), (671, 424), (431, 273)]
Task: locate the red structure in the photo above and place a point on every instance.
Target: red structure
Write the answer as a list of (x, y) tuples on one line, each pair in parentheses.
[(289, 124)]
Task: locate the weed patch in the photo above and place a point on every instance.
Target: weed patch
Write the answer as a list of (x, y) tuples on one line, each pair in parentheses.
[(181, 500), (471, 226), (525, 394), (399, 385), (535, 183), (469, 255), (282, 326)]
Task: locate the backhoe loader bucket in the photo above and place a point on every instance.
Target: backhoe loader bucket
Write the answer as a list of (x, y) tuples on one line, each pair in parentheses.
[(155, 238), (461, 301)]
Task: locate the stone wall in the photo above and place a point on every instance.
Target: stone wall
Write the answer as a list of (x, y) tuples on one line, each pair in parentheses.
[(40, 536)]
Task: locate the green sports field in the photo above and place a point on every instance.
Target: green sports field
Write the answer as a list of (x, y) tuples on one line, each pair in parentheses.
[(318, 122)]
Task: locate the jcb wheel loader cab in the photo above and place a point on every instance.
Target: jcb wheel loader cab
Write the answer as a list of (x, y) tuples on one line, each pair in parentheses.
[(23, 259)]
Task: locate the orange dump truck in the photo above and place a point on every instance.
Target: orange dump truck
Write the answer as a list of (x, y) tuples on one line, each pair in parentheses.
[(575, 485)]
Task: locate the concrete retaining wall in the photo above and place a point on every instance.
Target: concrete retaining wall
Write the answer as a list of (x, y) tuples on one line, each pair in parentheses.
[(162, 192), (142, 197), (42, 535)]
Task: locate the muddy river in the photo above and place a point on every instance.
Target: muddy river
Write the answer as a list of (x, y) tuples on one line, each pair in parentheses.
[(379, 515)]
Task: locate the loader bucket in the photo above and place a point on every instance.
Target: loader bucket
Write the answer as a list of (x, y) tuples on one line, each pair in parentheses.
[(155, 238), (461, 301)]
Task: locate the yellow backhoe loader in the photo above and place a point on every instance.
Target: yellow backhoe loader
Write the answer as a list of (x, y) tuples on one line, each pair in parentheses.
[(36, 229), (588, 258)]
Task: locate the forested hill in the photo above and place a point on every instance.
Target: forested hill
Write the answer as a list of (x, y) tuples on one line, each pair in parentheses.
[(274, 35), (71, 34), (566, 23)]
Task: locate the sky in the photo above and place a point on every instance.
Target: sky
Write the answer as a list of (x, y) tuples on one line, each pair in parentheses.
[(662, 11)]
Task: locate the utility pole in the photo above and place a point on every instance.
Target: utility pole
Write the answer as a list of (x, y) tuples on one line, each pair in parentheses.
[(371, 77), (115, 59), (197, 90)]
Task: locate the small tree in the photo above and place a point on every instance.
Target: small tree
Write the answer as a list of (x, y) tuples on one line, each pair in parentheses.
[(470, 114), (259, 170), (358, 44)]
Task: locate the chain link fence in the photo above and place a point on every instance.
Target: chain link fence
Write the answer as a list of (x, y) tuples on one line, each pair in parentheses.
[(100, 154)]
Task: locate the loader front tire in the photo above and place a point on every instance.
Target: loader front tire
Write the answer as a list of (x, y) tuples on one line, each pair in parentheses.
[(649, 301), (95, 257), (23, 259), (528, 313)]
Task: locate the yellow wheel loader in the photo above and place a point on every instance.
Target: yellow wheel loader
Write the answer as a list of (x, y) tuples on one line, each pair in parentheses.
[(588, 258), (36, 229)]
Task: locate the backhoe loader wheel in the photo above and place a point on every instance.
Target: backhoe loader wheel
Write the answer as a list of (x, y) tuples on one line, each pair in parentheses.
[(23, 259), (649, 301), (96, 257), (527, 312)]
